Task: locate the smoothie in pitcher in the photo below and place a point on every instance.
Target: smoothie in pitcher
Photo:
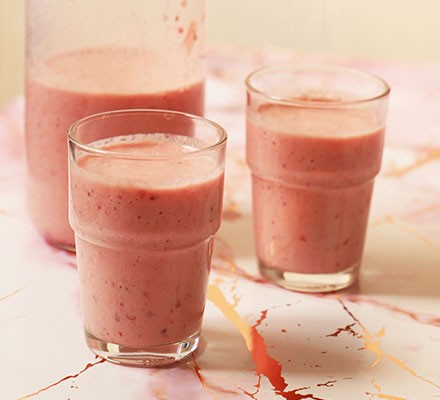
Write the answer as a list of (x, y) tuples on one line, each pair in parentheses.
[(69, 86)]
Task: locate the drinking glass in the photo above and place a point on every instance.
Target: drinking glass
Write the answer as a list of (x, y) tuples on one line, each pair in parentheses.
[(315, 136), (146, 190)]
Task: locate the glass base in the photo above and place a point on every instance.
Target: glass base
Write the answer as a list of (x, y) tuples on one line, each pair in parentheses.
[(152, 356), (312, 283)]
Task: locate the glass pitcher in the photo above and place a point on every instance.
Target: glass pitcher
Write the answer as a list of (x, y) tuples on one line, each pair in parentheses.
[(90, 56)]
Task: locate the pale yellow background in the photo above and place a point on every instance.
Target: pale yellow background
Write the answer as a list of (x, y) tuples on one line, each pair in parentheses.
[(407, 30)]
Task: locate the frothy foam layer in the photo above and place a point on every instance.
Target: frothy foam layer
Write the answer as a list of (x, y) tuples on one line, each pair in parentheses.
[(150, 160), (318, 121), (149, 145), (111, 70)]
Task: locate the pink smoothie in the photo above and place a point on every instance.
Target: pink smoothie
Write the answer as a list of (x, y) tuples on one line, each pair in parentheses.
[(73, 85), (313, 172), (144, 234)]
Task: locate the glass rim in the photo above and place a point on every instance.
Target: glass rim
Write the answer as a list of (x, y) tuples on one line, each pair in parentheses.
[(251, 87), (222, 138)]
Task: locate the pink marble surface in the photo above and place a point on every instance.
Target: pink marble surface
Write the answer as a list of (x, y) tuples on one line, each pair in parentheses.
[(378, 340)]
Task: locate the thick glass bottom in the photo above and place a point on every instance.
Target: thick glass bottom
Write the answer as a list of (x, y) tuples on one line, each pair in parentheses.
[(312, 283), (150, 356)]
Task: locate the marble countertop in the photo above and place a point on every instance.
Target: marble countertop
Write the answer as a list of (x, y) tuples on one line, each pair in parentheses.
[(377, 340)]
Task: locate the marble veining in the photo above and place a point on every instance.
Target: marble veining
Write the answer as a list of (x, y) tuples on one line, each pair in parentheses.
[(377, 340)]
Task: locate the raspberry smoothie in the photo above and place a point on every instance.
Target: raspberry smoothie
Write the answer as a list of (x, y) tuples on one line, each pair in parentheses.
[(144, 236), (313, 170), (72, 85)]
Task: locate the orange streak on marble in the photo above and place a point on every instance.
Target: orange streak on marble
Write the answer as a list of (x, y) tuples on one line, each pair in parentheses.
[(422, 211), (223, 265), (372, 344), (265, 365), (389, 219), (88, 366), (413, 213), (209, 388), (385, 396), (3, 212), (424, 159), (422, 238), (216, 296), (381, 332), (422, 318), (380, 395), (196, 369), (375, 385), (224, 262), (255, 343), (13, 293), (257, 389)]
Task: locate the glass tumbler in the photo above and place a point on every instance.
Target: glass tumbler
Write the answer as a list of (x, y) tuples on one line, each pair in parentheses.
[(146, 190), (315, 136)]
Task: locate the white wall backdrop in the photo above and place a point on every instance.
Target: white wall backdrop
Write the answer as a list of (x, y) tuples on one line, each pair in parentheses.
[(390, 29)]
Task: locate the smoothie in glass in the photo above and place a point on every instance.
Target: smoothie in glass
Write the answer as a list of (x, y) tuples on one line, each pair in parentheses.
[(318, 213), (145, 209), (314, 155)]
